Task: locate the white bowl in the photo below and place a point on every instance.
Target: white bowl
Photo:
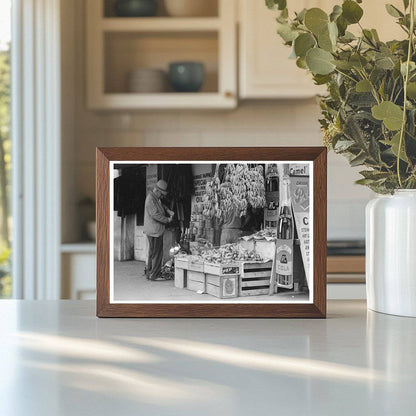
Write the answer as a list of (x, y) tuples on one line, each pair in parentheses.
[(191, 8), (145, 80)]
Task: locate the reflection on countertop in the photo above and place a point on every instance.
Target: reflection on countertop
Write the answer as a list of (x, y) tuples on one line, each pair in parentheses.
[(63, 360)]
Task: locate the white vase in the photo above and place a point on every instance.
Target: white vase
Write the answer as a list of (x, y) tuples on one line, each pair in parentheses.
[(391, 253)]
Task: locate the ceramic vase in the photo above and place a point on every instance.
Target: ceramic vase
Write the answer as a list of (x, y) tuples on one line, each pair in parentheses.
[(391, 253)]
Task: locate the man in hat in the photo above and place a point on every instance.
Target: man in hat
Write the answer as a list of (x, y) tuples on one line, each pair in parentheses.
[(156, 216)]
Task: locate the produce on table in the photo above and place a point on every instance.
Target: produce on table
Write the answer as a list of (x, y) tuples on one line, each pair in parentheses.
[(266, 234), (225, 254), (242, 186)]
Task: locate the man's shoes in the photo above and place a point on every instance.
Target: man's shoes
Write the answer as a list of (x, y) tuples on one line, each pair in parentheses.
[(153, 279)]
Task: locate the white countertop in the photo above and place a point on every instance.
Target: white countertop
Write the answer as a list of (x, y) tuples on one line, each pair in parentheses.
[(57, 359)]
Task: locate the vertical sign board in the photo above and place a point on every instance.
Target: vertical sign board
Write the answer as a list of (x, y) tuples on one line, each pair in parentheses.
[(202, 173), (299, 193)]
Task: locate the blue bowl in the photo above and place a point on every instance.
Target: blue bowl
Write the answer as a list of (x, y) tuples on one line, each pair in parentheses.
[(186, 76), (136, 8)]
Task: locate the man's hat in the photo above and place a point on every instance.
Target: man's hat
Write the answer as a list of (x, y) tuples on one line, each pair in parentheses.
[(162, 186)]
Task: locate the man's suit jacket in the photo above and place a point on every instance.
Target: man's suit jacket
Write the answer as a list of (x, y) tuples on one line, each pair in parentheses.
[(154, 216)]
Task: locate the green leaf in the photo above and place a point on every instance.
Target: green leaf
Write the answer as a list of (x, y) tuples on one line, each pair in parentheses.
[(374, 150), (364, 181), (411, 90), (325, 42), (343, 65), (319, 61), (363, 86), (375, 35), (358, 61), (394, 145), (351, 11), (406, 4), (347, 37), (303, 43), (300, 17), (286, 32), (385, 63), (316, 20), (336, 12), (412, 67), (343, 145), (368, 36), (342, 25), (393, 11), (391, 114), (301, 63), (361, 99), (374, 175), (276, 4), (358, 160), (321, 79)]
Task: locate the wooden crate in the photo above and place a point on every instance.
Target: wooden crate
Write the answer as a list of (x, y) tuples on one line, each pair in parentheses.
[(180, 277), (229, 269), (255, 278), (222, 287), (196, 266), (181, 263), (196, 281)]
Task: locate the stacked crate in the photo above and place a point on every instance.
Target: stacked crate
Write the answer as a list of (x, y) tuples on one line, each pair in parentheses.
[(255, 278), (222, 279), (196, 277), (181, 272)]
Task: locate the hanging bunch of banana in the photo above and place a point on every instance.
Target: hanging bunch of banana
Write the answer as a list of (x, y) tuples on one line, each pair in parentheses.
[(241, 186)]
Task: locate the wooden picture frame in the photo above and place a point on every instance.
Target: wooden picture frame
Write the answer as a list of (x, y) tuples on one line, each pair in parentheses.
[(316, 308)]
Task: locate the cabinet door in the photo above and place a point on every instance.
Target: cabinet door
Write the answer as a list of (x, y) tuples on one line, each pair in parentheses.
[(265, 68)]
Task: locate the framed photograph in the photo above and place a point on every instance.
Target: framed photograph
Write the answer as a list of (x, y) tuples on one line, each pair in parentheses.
[(211, 232)]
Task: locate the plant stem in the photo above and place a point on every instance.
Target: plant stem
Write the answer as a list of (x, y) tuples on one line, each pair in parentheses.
[(346, 75), (406, 80)]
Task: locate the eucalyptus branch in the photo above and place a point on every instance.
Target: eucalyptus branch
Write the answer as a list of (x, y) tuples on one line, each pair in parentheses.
[(373, 89), (346, 75), (406, 80)]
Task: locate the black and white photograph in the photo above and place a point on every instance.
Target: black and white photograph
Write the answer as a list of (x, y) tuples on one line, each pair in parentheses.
[(203, 232)]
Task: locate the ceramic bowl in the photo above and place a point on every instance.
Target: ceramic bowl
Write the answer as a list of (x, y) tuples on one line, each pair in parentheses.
[(136, 8), (186, 76), (147, 80)]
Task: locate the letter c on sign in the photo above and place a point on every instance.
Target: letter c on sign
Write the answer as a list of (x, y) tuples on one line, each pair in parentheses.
[(305, 220)]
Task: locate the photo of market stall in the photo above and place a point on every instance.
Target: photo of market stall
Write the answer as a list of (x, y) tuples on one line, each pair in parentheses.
[(206, 232)]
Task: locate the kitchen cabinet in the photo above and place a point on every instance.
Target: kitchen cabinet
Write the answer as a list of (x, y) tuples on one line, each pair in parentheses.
[(265, 70), (78, 262), (116, 46)]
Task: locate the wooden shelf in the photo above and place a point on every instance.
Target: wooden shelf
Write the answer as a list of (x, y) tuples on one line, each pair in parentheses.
[(128, 101), (159, 24), (116, 46)]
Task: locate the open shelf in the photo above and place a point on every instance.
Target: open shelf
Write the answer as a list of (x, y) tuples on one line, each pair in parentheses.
[(116, 46), (160, 24), (127, 51)]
